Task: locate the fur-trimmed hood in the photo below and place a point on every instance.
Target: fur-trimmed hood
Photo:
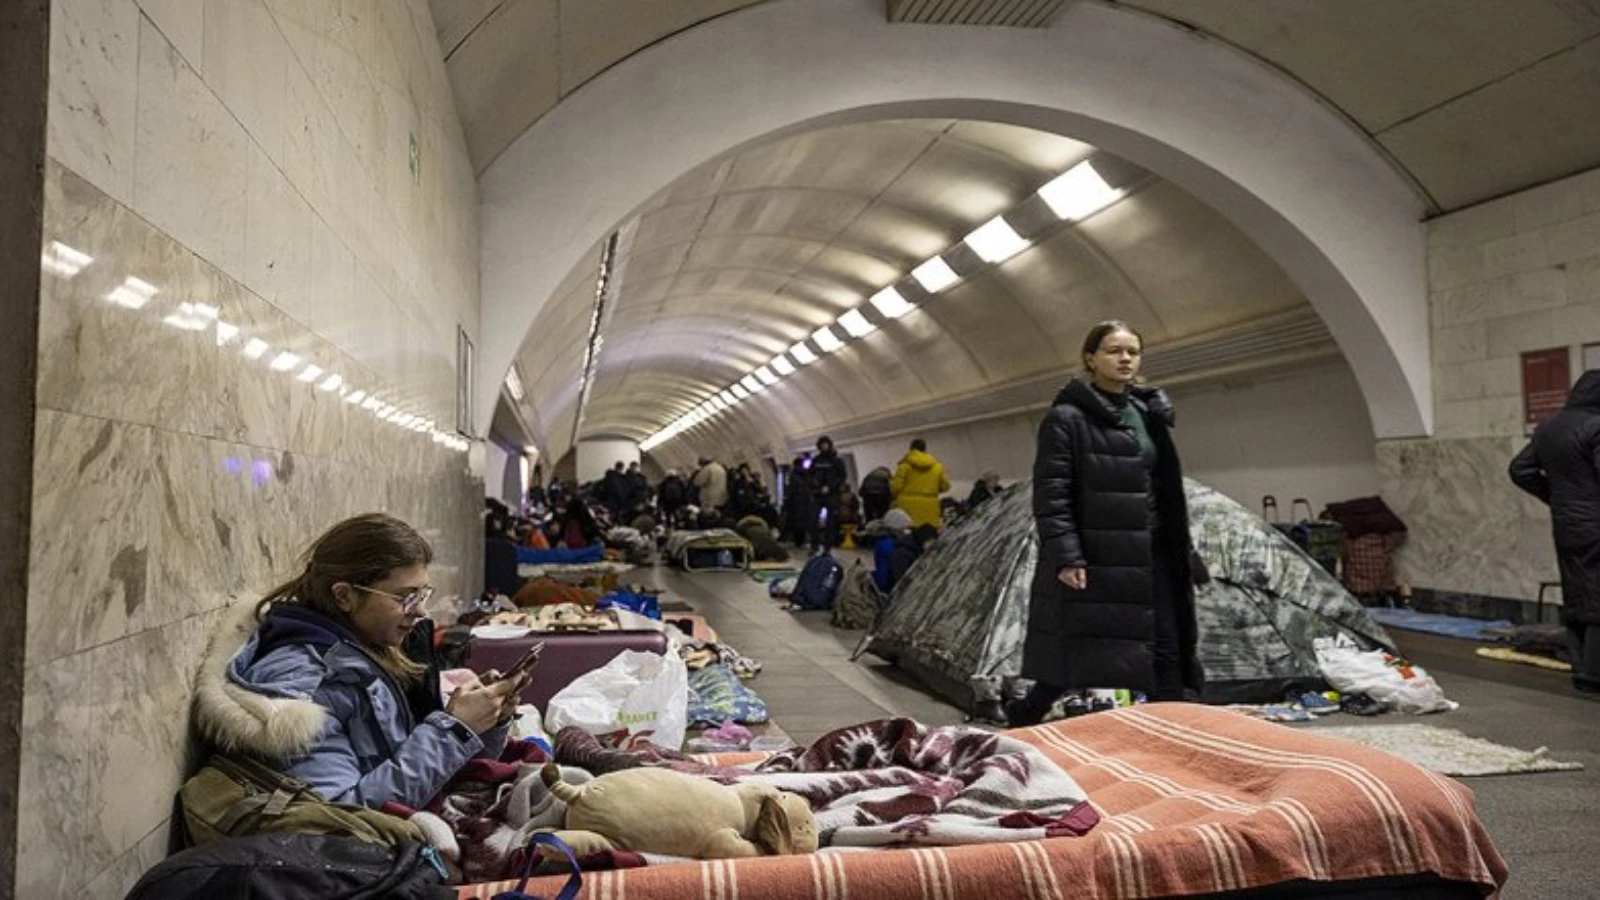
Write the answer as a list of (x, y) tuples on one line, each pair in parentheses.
[(271, 713)]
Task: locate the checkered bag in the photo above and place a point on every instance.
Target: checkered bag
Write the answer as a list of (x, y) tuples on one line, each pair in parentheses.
[(1367, 566)]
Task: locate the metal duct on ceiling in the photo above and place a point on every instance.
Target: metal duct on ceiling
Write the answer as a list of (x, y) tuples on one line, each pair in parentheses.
[(1010, 13)]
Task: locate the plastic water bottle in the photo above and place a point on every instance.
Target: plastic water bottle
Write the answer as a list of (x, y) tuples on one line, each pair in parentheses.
[(725, 558)]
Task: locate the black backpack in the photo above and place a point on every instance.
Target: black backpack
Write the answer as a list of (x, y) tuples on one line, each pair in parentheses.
[(297, 867), (818, 584)]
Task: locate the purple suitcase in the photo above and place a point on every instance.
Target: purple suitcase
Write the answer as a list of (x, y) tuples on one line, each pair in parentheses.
[(567, 654)]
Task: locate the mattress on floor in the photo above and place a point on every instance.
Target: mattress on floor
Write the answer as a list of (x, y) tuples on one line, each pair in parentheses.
[(1195, 801)]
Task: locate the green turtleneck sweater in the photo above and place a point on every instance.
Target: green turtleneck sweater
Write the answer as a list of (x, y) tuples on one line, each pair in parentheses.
[(1133, 418)]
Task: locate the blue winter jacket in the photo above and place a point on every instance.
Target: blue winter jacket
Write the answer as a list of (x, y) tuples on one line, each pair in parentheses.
[(371, 750)]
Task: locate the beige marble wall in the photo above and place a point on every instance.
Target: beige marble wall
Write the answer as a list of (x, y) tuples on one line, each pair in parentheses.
[(250, 163), (1517, 274)]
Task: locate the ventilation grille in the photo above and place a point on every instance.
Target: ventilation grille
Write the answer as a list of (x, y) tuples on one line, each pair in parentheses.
[(1260, 345), (1012, 13)]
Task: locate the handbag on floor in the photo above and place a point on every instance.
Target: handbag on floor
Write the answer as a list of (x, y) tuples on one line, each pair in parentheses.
[(233, 796)]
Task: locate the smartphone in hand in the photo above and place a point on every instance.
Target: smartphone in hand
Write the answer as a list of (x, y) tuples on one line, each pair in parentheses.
[(520, 668)]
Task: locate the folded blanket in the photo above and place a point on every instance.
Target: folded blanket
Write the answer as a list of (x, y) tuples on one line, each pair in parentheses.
[(894, 782), (716, 695)]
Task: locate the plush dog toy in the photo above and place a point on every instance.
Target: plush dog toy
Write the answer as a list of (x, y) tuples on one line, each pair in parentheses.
[(650, 810)]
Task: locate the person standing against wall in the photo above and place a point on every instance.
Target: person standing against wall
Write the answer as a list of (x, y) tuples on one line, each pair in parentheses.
[(1112, 603), (1561, 466), (917, 483)]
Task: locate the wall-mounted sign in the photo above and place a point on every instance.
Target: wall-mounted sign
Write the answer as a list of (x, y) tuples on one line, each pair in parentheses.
[(1546, 380)]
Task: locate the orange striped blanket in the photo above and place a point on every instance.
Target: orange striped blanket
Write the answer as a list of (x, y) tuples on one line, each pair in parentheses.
[(1193, 800)]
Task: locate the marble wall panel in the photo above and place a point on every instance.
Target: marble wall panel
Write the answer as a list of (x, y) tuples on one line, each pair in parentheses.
[(1471, 530), (57, 847), (94, 60), (111, 351), (191, 157), (246, 62), (96, 534)]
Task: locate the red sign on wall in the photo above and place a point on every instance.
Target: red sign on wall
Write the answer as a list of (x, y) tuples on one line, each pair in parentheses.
[(1546, 380)]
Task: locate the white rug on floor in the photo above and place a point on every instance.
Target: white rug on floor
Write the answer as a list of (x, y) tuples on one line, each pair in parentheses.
[(1447, 751)]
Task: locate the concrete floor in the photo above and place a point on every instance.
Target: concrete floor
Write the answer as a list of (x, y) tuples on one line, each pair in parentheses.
[(1546, 825)]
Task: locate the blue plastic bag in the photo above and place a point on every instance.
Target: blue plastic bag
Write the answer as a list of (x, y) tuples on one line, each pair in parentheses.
[(647, 605)]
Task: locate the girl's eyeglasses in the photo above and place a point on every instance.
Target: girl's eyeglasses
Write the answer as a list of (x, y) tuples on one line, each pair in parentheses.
[(410, 602)]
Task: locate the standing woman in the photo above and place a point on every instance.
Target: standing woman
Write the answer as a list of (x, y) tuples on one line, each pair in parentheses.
[(1112, 603)]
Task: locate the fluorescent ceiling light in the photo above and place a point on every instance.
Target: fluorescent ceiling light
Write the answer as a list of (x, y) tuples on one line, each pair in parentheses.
[(356, 397), (310, 373), (285, 361), (226, 333), (782, 366), (935, 275), (332, 382), (372, 402), (740, 392), (727, 397), (889, 302), (857, 324), (996, 241), (255, 347), (514, 384), (1079, 193), (766, 376), (752, 385), (826, 339), (802, 354), (718, 404)]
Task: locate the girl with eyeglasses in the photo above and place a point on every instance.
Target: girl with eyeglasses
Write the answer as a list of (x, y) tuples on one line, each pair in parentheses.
[(322, 691)]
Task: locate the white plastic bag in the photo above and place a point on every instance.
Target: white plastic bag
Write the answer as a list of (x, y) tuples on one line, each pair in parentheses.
[(635, 697), (1382, 676)]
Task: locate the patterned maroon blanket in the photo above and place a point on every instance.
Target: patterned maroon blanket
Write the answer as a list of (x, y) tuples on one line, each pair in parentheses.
[(894, 782)]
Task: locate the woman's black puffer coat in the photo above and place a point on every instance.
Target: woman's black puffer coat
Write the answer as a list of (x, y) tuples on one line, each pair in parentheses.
[(1091, 508)]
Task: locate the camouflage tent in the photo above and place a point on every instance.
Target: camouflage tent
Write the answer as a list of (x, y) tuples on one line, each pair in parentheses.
[(957, 619)]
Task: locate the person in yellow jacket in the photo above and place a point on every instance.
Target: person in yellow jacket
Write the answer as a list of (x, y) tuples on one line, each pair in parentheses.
[(917, 483)]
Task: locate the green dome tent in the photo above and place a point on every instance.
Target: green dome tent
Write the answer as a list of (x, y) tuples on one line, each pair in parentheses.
[(956, 621)]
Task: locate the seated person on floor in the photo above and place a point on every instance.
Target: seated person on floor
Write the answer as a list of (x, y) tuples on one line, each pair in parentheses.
[(894, 553), (322, 691)]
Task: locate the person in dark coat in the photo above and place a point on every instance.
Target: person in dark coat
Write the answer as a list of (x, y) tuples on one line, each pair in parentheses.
[(875, 494), (672, 495), (1112, 603), (1561, 466), (614, 490), (827, 477), (799, 509)]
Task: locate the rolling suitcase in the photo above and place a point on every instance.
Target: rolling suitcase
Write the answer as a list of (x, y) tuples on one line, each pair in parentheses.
[(567, 654)]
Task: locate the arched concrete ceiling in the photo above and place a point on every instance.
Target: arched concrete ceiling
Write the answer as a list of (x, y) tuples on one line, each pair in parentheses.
[(748, 254), (510, 61), (1472, 98), (1280, 177)]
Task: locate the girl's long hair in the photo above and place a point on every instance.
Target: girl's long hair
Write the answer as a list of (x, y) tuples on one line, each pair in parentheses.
[(359, 551)]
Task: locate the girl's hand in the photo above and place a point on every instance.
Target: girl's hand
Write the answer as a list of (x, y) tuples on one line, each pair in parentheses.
[(1077, 579)]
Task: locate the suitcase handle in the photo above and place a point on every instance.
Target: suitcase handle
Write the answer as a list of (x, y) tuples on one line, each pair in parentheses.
[(1269, 508), (1295, 505)]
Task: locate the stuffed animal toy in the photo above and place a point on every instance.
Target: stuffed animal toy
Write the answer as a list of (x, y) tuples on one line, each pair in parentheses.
[(649, 810)]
